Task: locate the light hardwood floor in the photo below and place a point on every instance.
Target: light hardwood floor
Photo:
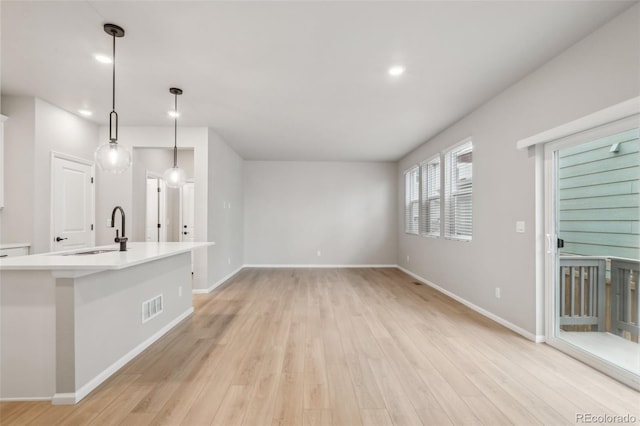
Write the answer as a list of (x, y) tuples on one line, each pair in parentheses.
[(339, 347)]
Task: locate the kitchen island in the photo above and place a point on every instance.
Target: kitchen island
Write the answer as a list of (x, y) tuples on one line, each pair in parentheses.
[(68, 321)]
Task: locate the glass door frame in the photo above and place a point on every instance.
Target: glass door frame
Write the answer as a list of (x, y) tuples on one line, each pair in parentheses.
[(551, 251)]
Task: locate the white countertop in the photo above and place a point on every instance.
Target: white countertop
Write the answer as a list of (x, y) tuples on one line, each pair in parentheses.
[(136, 254)]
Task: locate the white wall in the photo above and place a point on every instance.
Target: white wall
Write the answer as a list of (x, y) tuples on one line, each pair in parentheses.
[(226, 211), (344, 209), (36, 128), (597, 72), (19, 144)]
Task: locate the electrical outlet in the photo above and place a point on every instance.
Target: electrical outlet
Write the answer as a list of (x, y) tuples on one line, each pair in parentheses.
[(520, 226), (229, 261), (319, 253), (408, 259), (497, 292), (180, 291)]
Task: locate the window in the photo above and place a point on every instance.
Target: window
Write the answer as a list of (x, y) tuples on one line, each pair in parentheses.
[(458, 189), (430, 207), (412, 194)]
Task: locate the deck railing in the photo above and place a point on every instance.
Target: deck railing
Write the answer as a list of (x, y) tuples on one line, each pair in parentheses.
[(582, 291), (599, 293), (625, 308)]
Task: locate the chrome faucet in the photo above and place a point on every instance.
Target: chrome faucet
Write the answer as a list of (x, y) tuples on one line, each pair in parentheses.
[(122, 240)]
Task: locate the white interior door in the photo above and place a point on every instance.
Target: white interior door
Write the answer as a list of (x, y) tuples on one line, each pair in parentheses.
[(163, 220), (151, 222), (186, 212), (72, 202), (156, 218)]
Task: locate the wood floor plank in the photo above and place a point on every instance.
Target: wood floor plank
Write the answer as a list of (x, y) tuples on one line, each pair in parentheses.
[(316, 396), (98, 400), (375, 417), (263, 396), (31, 413), (396, 400), (338, 347), (317, 418), (289, 402), (233, 407), (342, 396)]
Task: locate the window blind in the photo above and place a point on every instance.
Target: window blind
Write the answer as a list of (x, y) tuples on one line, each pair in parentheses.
[(430, 197), (458, 187), (412, 195)]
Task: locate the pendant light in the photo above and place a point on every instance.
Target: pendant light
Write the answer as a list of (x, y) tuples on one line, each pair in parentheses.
[(174, 176), (110, 156)]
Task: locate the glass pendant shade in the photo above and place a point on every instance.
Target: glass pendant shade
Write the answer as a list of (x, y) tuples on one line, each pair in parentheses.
[(175, 177), (110, 156), (113, 157)]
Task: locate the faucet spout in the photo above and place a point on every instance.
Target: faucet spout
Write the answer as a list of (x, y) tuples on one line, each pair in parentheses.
[(119, 239)]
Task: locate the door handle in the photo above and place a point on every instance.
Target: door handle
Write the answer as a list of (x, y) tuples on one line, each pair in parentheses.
[(548, 243), (58, 239)]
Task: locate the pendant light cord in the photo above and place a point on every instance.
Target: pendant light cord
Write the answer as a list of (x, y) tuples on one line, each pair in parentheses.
[(175, 132), (113, 96)]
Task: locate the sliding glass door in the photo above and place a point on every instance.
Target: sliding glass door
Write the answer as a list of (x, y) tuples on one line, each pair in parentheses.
[(593, 247)]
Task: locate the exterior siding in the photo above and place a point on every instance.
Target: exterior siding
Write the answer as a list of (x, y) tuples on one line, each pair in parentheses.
[(599, 197)]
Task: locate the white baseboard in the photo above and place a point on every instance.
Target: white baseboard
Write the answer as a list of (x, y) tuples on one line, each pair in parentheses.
[(74, 397), (320, 266), (521, 331), (26, 399), (217, 283)]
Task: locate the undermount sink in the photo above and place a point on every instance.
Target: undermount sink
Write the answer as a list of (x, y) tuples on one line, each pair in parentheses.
[(89, 252)]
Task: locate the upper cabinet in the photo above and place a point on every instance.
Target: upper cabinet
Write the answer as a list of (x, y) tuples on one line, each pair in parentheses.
[(2, 120)]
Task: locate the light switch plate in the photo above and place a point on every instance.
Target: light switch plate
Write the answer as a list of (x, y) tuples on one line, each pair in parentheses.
[(520, 226)]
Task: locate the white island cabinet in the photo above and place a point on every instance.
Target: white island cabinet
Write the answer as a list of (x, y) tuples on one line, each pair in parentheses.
[(68, 322)]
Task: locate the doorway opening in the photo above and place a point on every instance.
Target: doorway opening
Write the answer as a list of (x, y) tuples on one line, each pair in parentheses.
[(157, 208)]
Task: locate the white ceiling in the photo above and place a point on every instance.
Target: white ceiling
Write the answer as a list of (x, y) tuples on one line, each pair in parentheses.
[(289, 80)]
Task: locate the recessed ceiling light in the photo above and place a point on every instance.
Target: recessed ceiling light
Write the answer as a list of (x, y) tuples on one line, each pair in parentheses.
[(174, 114), (396, 71), (104, 59), (85, 112)]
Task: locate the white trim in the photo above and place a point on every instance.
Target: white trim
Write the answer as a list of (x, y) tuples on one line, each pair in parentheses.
[(458, 145), (72, 158), (320, 266), (26, 399), (153, 175), (217, 283), (616, 112), (521, 331), (540, 244), (74, 397)]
